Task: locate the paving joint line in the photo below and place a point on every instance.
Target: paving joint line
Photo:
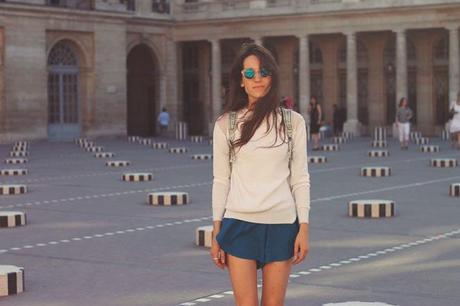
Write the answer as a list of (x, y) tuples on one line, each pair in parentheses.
[(66, 200), (101, 235), (52, 178), (96, 196)]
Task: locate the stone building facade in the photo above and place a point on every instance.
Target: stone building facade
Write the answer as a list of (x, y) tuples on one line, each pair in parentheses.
[(73, 68)]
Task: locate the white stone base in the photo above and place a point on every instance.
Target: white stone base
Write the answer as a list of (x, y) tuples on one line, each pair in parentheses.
[(353, 126)]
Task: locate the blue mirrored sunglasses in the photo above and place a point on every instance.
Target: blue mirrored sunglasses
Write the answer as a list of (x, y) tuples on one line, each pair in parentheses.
[(250, 73)]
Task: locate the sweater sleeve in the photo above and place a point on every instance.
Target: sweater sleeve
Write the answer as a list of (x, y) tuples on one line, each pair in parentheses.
[(300, 178), (221, 173)]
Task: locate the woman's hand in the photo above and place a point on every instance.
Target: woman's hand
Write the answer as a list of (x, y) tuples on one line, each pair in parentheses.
[(301, 245), (217, 254)]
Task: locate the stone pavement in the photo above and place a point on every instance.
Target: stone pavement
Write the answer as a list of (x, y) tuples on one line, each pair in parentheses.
[(91, 239)]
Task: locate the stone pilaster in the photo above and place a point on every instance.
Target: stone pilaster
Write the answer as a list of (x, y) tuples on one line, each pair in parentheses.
[(216, 78), (453, 63), (401, 65), (352, 124), (304, 74), (170, 80)]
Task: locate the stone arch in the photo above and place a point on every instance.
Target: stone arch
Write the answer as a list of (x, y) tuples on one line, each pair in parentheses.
[(76, 46), (143, 90), (155, 50)]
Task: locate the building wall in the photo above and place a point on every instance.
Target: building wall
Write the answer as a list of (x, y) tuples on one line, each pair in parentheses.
[(25, 73), (109, 116), (103, 40), (2, 82)]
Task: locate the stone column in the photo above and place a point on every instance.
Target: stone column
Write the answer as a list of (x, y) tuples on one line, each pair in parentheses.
[(163, 96), (304, 74), (401, 70), (401, 65), (453, 63), (169, 81), (216, 71), (352, 124), (2, 100)]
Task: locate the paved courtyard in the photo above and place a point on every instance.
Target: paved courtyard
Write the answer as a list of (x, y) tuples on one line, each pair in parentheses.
[(92, 239)]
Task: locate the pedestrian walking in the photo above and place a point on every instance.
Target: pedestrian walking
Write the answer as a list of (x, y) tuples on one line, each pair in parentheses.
[(163, 121)]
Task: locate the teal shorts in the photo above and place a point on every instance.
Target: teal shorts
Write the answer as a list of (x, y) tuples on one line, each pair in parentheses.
[(263, 243)]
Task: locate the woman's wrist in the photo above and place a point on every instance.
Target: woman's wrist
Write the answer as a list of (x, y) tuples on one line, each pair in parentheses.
[(216, 228), (303, 227)]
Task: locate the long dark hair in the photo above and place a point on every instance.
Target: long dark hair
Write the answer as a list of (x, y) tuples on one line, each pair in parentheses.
[(237, 97), (401, 101)]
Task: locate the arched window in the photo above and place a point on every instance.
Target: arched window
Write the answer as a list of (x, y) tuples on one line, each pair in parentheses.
[(63, 87), (62, 55)]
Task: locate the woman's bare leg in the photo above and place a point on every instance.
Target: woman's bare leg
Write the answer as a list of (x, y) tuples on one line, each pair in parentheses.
[(275, 279), (243, 275), (315, 141)]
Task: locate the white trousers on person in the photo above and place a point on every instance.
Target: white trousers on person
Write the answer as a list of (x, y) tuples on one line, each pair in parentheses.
[(404, 129)]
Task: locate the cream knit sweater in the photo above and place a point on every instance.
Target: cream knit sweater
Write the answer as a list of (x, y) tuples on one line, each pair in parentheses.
[(260, 188)]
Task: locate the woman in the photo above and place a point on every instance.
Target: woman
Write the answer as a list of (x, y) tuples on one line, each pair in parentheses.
[(314, 110), (260, 203), (455, 122), (403, 117)]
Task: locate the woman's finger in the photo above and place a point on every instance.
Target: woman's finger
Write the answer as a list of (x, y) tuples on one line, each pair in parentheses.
[(303, 254), (222, 257), (296, 252)]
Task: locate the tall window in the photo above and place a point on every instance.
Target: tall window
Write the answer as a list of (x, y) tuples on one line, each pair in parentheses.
[(63, 85), (161, 6), (130, 4)]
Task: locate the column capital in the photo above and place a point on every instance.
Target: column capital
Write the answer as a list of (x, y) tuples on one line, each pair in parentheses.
[(302, 35), (214, 40), (258, 39), (349, 33), (399, 30), (452, 27)]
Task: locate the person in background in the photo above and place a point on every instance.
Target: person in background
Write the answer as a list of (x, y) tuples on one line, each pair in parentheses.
[(163, 121), (342, 118), (287, 102), (403, 117), (455, 122), (314, 110), (336, 118)]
